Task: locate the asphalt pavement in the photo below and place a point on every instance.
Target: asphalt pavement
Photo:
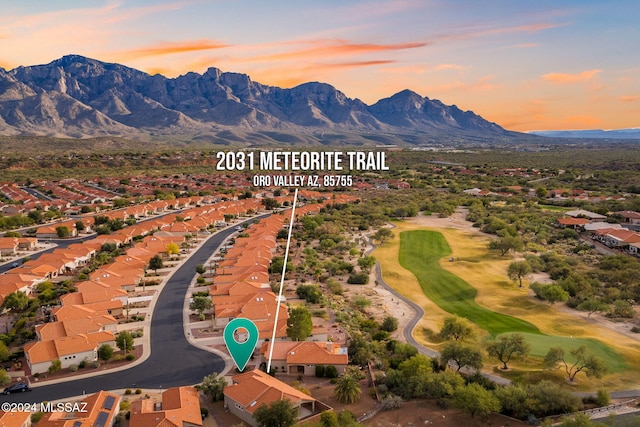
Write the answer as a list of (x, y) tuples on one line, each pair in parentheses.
[(173, 361)]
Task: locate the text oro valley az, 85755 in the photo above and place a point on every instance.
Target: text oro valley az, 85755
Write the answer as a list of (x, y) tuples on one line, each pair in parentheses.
[(298, 180)]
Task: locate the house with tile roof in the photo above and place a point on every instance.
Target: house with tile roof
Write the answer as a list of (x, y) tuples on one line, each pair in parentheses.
[(8, 246), (620, 238), (252, 389), (179, 407), (13, 282), (630, 217), (15, 419), (302, 357), (575, 223), (70, 350), (41, 269), (76, 326), (50, 232), (75, 311), (581, 213), (27, 243), (259, 307), (90, 292), (118, 277), (96, 410)]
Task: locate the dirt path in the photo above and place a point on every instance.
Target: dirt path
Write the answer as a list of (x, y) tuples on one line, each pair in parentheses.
[(384, 301)]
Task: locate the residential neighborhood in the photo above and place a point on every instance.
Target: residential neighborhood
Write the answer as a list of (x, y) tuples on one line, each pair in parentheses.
[(105, 296), (91, 273)]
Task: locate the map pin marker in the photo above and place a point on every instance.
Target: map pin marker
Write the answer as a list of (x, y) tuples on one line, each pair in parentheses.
[(241, 351)]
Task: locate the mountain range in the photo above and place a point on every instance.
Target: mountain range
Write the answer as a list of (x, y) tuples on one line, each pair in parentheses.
[(79, 97)]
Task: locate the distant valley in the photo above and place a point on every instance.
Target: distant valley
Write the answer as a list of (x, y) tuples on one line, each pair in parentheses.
[(633, 133)]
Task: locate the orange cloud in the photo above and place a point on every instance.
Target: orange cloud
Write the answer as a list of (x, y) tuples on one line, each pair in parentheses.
[(325, 48), (169, 48), (528, 28), (565, 78), (583, 121), (482, 84), (628, 98), (441, 67), (525, 45), (355, 64), (410, 69)]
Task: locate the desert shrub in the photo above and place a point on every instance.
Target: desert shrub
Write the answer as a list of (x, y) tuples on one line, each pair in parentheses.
[(391, 402), (330, 371), (603, 398), (358, 279), (335, 287)]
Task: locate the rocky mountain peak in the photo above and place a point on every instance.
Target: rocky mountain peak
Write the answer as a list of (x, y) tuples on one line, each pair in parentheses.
[(91, 97)]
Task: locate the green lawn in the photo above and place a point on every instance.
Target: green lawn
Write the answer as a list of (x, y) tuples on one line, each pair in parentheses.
[(420, 252), (554, 208), (540, 345)]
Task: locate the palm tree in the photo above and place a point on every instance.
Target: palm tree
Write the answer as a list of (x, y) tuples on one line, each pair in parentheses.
[(347, 390)]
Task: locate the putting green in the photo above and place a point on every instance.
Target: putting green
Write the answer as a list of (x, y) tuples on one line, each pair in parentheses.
[(540, 345), (420, 253)]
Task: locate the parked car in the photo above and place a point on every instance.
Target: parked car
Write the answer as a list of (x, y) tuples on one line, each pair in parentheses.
[(19, 387)]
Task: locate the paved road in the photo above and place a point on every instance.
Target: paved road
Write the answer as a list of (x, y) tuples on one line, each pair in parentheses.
[(173, 361), (60, 243), (408, 331)]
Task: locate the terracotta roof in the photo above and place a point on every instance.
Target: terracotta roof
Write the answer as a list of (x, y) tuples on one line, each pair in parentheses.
[(628, 214), (8, 242), (14, 419), (180, 405), (254, 388), (78, 311), (91, 292), (70, 327), (46, 351), (238, 288), (625, 236), (307, 353), (573, 221), (100, 409)]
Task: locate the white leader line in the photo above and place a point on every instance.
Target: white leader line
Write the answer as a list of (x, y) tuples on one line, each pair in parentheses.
[(284, 270)]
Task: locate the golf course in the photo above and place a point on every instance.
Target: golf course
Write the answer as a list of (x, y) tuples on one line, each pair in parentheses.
[(451, 271)]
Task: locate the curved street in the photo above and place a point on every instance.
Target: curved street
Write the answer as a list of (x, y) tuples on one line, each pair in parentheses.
[(173, 360)]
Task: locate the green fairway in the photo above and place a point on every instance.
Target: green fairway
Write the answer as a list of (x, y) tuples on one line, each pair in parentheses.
[(420, 252)]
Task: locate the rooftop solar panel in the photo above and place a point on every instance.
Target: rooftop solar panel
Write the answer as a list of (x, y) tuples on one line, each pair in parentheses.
[(102, 419), (108, 402)]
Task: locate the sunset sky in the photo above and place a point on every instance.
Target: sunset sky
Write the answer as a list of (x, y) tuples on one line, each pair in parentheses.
[(527, 65)]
